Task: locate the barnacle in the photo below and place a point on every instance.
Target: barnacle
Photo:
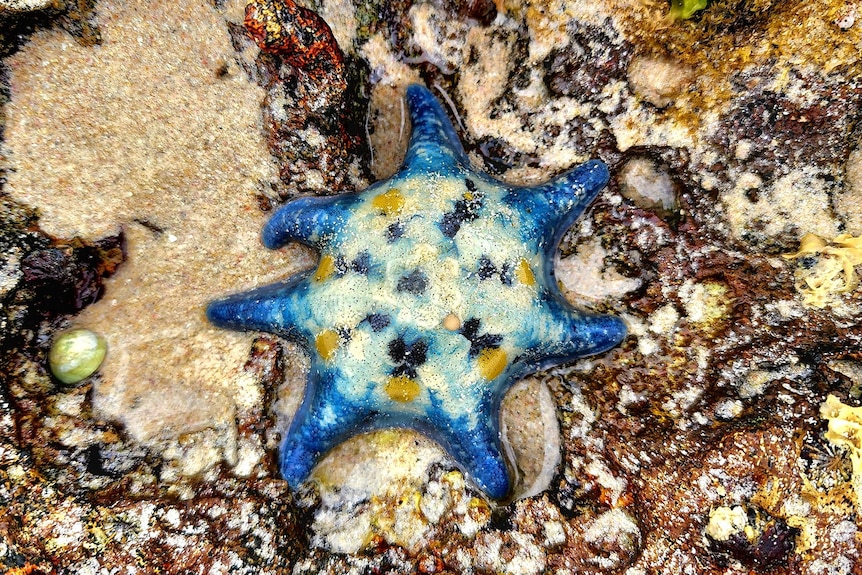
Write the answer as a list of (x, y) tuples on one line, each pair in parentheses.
[(750, 535), (828, 267)]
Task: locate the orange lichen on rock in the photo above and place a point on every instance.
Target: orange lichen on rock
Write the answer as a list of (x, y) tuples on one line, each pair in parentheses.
[(308, 102), (301, 37)]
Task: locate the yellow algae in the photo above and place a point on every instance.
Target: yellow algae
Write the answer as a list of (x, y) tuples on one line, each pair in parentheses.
[(845, 431), (764, 39), (835, 270), (706, 304)]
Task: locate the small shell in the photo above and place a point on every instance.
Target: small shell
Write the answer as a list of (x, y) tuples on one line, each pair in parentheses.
[(76, 355)]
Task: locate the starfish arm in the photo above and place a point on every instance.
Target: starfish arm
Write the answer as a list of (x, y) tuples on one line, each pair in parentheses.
[(576, 334), (473, 440), (274, 309), (589, 334), (552, 207), (434, 144), (312, 221), (324, 420)]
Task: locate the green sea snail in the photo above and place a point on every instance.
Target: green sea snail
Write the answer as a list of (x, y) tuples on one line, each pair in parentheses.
[(76, 355), (685, 9)]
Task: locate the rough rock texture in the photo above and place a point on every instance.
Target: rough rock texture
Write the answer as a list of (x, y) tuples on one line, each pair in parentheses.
[(310, 93), (139, 155), (697, 446), (19, 18)]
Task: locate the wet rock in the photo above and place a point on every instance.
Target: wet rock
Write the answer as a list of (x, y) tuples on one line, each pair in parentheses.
[(24, 5), (659, 81), (41, 277), (18, 18), (647, 185), (594, 59), (308, 103), (750, 536), (69, 277), (849, 198)]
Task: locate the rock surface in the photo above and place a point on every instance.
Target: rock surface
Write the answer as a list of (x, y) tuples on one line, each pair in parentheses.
[(697, 446)]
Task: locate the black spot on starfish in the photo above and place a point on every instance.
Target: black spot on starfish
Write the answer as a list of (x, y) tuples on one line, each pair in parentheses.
[(506, 274), (486, 268), (470, 330), (407, 356), (361, 263), (394, 232), (466, 210), (414, 283), (378, 321)]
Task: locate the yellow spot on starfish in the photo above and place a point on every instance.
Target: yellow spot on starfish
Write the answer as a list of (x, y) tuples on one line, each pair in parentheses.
[(325, 268), (401, 388), (492, 362), (525, 273), (326, 343), (390, 203)]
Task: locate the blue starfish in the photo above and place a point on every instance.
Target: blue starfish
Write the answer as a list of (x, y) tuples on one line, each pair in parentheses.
[(434, 293)]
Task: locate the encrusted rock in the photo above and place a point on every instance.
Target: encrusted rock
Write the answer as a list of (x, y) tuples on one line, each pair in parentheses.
[(696, 446), (658, 80)]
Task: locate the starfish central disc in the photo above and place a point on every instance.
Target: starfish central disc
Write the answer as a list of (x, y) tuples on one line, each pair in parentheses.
[(434, 293)]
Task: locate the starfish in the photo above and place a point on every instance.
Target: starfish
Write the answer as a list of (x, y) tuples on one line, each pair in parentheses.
[(434, 293)]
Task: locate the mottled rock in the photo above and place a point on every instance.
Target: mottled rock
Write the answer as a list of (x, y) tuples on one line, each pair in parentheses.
[(712, 403), (849, 198), (659, 81), (647, 185), (25, 5)]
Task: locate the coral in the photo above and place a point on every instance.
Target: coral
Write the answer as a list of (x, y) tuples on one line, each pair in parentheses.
[(433, 295)]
